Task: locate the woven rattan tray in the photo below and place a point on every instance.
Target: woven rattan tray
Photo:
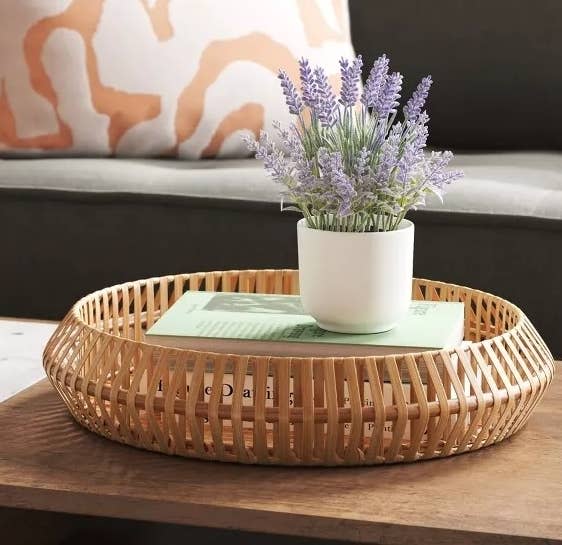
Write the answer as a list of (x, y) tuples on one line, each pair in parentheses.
[(293, 411)]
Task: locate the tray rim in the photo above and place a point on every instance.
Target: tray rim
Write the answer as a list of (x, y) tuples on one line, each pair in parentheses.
[(74, 311)]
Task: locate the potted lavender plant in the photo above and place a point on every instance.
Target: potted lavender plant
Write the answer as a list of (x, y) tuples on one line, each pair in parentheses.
[(354, 170)]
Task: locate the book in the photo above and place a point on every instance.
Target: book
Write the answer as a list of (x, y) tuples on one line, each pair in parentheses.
[(277, 325)]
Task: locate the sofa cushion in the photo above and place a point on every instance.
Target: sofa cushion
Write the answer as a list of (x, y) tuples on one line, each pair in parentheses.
[(515, 184), (153, 78)]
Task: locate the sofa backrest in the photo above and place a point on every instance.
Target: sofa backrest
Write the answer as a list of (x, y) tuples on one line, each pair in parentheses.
[(497, 65)]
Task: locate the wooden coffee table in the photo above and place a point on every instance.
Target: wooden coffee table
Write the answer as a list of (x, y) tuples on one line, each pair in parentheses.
[(509, 493)]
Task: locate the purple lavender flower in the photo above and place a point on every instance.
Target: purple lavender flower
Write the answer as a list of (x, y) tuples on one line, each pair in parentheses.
[(326, 104), (289, 138), (338, 184), (420, 135), (407, 163), (416, 132), (414, 106), (292, 97), (296, 164), (389, 155), (350, 78), (308, 84), (273, 158), (436, 175), (423, 119), (375, 82), (361, 165), (388, 98)]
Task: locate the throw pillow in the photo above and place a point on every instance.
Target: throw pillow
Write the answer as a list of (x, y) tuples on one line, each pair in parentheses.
[(154, 77)]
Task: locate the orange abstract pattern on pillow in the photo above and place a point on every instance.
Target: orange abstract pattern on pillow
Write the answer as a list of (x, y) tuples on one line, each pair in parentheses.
[(182, 78)]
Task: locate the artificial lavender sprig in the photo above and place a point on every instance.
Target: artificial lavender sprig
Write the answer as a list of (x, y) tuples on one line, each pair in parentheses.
[(388, 98), (375, 82), (362, 162), (436, 175), (406, 165), (308, 84), (340, 188), (350, 78), (326, 103), (273, 158), (389, 155), (292, 97), (414, 106)]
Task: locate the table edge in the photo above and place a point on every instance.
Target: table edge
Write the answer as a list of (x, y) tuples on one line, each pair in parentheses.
[(262, 520)]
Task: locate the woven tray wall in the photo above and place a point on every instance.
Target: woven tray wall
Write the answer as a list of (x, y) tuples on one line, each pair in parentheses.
[(293, 411)]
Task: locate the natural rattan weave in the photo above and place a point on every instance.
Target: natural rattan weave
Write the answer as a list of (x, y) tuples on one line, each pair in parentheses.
[(294, 411)]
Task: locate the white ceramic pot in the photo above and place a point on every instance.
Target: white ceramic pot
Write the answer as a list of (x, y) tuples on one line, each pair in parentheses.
[(356, 282)]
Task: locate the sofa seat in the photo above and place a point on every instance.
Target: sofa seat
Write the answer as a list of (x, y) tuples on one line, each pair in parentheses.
[(70, 226), (513, 184)]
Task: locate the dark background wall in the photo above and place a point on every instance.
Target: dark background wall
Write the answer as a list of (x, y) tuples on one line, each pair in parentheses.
[(496, 64)]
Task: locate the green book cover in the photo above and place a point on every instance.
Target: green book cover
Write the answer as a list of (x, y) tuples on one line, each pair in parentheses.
[(258, 317)]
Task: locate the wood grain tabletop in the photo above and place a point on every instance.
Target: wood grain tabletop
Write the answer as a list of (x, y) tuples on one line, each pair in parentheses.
[(506, 494)]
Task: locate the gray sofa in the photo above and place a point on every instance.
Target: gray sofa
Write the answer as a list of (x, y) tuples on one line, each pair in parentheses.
[(69, 226)]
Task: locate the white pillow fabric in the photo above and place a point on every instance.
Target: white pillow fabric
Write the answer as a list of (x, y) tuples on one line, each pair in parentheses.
[(183, 78)]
